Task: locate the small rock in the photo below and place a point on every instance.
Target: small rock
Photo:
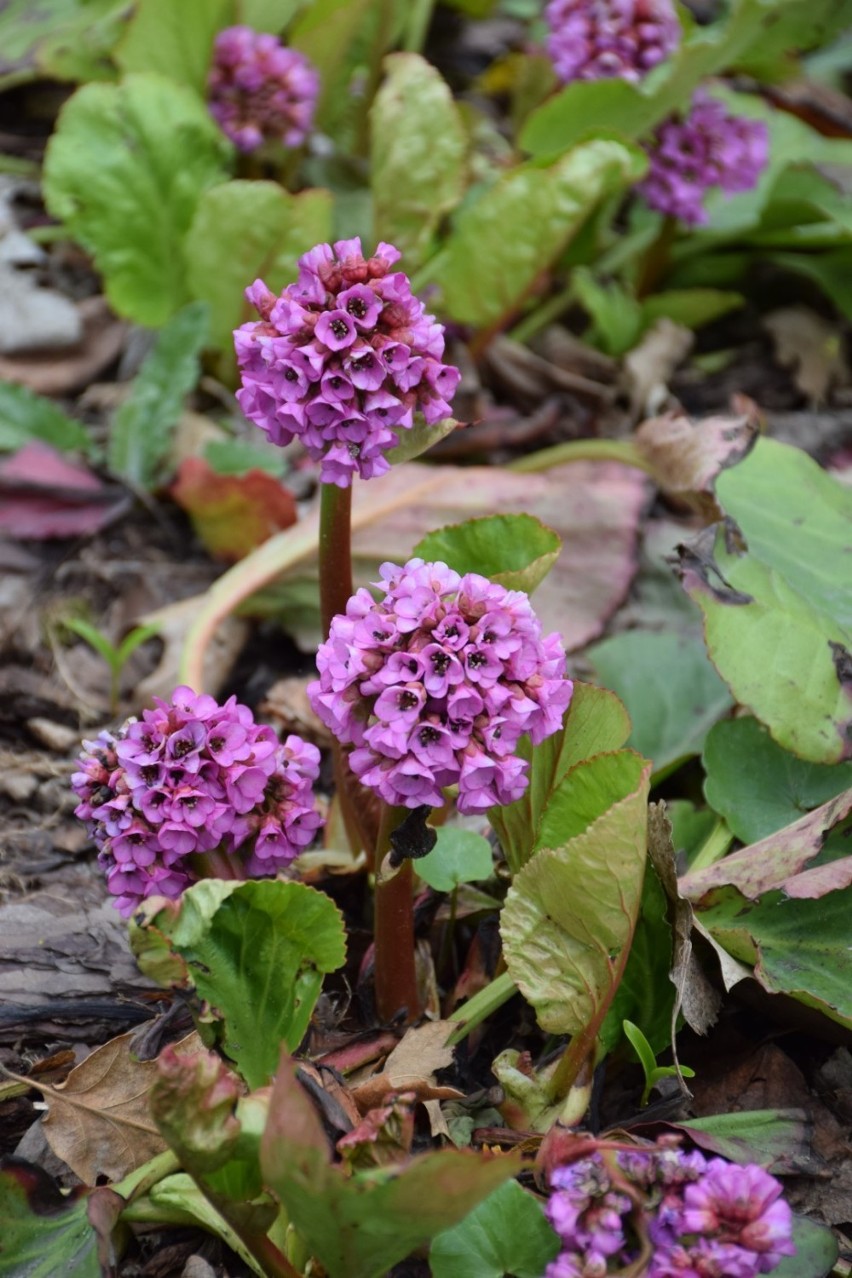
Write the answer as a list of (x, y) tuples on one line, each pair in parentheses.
[(56, 736)]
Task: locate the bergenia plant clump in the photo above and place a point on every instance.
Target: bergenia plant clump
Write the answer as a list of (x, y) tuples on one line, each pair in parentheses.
[(691, 1217), (707, 148), (435, 684), (342, 360), (608, 39), (188, 778), (259, 91)]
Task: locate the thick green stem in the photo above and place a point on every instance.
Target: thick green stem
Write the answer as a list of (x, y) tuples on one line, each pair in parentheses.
[(419, 20), (396, 974)]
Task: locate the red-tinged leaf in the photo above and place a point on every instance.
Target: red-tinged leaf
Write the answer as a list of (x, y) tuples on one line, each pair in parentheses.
[(360, 1226), (232, 514), (44, 495), (780, 861)]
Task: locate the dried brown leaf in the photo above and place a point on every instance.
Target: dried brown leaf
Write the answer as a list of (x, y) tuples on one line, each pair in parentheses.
[(99, 1120), (686, 456)]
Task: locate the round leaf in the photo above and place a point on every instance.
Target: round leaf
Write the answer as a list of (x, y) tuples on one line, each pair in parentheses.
[(516, 550), (459, 856)]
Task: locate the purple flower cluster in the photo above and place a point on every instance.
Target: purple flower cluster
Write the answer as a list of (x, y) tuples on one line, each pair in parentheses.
[(608, 39), (342, 359), (704, 1219), (191, 777), (706, 148), (259, 91), (435, 684)]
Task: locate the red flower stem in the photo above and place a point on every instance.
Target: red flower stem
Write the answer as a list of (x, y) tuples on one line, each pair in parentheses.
[(396, 975), (335, 571)]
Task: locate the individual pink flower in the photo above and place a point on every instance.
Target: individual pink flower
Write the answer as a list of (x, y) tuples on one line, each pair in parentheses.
[(342, 360), (258, 91), (191, 777), (706, 148), (417, 685), (608, 39)]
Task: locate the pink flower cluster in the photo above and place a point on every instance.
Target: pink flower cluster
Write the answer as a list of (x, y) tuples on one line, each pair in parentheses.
[(608, 39), (342, 360), (704, 1219), (706, 148), (190, 777), (258, 91), (435, 684)]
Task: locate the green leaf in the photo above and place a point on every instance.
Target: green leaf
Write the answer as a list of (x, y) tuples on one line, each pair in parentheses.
[(124, 171), (178, 1200), (141, 432), (25, 416), (94, 638), (134, 640), (459, 856), (569, 917), (502, 241), (816, 1251), (777, 1139), (257, 952), (831, 271), (645, 994), (672, 693), (59, 39), (326, 32), (596, 721), (174, 40), (505, 1234), (40, 1243), (419, 438), (517, 551), (244, 230), (585, 793), (778, 615), (360, 1226), (797, 947), (691, 307), (758, 787), (267, 15), (238, 456), (616, 315), (691, 826), (418, 149)]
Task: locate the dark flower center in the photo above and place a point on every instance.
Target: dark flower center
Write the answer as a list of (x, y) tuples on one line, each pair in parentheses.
[(407, 700), (150, 774), (362, 362), (357, 306), (340, 328), (476, 659), (216, 743), (428, 736), (440, 662), (291, 375), (182, 748)]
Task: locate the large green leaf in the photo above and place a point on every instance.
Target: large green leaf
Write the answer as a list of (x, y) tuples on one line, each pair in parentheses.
[(596, 721), (174, 40), (777, 1139), (758, 787), (43, 1235), (330, 33), (418, 148), (502, 241), (797, 947), (244, 230), (257, 953), (777, 602), (506, 1234), (124, 171), (570, 914), (671, 691), (25, 416), (517, 551), (360, 1226), (141, 431)]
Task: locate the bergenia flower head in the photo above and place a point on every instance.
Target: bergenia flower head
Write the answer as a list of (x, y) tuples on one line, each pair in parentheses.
[(707, 148), (435, 684), (189, 777), (342, 360), (258, 91), (610, 39), (704, 1219)]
